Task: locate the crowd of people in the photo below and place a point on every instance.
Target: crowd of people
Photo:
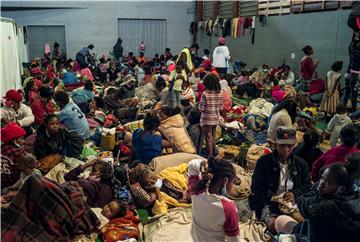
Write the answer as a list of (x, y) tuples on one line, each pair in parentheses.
[(80, 144)]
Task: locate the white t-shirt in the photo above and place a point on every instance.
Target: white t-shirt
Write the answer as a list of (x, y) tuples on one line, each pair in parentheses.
[(214, 218), (285, 181), (221, 55)]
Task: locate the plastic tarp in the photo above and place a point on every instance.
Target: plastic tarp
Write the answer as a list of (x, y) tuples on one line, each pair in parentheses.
[(13, 53)]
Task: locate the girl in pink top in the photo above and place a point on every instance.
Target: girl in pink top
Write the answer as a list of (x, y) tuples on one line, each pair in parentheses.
[(215, 217)]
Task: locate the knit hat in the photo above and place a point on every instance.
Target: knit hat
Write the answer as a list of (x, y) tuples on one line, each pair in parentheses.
[(129, 78), (10, 132), (285, 136), (13, 95), (221, 40)]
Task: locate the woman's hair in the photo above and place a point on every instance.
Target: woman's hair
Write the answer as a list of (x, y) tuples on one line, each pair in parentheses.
[(160, 82), (340, 108), (46, 92), (311, 138), (307, 49), (91, 46), (353, 166), (206, 51), (106, 169), (350, 135), (341, 175), (28, 160), (49, 117), (194, 116), (61, 97), (89, 85), (142, 175), (169, 111), (99, 102), (337, 66), (211, 83), (151, 121), (28, 87), (195, 46), (219, 169), (289, 105), (122, 208)]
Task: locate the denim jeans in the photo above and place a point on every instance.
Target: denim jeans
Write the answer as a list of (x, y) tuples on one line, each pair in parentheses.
[(351, 90)]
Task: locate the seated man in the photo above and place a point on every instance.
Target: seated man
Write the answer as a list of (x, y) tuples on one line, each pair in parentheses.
[(15, 111), (278, 173), (71, 115)]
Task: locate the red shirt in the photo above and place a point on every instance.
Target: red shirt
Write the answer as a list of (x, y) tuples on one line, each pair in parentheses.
[(334, 155), (40, 110), (317, 86), (10, 171), (307, 68)]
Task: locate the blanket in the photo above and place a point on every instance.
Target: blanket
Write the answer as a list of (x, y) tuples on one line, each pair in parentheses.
[(121, 228), (175, 225), (242, 184), (173, 129), (44, 211)]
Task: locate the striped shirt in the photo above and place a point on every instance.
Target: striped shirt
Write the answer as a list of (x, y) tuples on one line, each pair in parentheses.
[(211, 104)]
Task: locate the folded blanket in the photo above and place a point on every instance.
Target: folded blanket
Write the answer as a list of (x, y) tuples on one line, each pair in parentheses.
[(177, 219), (44, 211)]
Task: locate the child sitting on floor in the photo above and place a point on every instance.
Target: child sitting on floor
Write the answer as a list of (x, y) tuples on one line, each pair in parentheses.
[(339, 121), (194, 128), (27, 164)]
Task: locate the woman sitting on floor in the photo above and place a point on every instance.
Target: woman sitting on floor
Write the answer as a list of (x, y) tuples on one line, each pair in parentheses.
[(332, 209), (52, 139), (172, 128), (147, 143)]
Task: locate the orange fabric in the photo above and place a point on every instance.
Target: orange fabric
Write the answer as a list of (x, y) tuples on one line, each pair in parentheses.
[(121, 228)]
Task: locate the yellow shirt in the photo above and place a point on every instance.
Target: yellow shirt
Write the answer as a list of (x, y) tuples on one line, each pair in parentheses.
[(178, 82)]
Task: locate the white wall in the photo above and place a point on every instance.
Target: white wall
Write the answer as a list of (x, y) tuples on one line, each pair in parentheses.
[(96, 22)]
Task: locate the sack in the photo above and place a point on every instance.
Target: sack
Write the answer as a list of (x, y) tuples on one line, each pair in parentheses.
[(107, 141), (88, 151), (49, 162)]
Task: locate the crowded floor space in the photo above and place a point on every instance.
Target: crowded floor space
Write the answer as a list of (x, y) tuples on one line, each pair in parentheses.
[(181, 121)]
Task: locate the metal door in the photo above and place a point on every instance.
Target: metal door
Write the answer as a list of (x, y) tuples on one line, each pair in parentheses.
[(151, 31), (39, 35)]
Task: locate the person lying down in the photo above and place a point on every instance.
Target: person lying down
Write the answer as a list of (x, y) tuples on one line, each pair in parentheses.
[(46, 211), (157, 192)]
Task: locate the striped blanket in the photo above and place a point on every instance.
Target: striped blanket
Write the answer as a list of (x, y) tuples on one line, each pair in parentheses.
[(44, 211)]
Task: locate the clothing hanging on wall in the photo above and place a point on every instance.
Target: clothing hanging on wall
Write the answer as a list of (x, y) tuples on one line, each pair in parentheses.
[(209, 27), (252, 30), (201, 25), (234, 27), (262, 20), (227, 28), (193, 28), (216, 27), (241, 22)]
